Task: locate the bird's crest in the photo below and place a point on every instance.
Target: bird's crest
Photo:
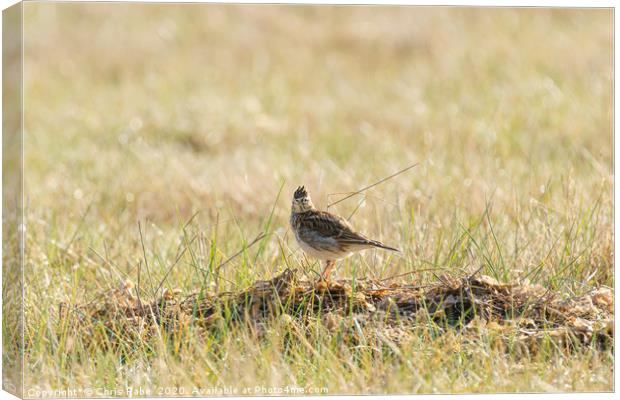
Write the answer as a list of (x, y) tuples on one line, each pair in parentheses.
[(300, 193)]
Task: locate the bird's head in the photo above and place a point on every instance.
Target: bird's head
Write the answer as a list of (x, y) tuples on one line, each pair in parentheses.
[(301, 201)]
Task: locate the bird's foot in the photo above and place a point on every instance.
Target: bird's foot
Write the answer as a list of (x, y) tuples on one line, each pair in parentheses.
[(322, 284)]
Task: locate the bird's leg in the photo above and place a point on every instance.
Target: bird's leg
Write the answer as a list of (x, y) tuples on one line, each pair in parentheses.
[(329, 266)]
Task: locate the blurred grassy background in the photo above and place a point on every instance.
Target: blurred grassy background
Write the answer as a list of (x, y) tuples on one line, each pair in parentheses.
[(153, 112)]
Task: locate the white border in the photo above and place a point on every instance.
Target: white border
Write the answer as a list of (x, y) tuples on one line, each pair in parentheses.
[(480, 3)]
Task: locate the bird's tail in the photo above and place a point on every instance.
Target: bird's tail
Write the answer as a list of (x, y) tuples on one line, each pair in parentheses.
[(382, 246)]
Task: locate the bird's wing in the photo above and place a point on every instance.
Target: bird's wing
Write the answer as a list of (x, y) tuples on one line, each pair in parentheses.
[(332, 226)]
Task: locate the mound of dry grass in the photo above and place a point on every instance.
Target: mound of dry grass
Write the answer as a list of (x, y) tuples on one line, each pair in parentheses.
[(365, 311)]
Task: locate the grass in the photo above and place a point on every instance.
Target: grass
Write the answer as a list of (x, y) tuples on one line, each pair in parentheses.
[(161, 139)]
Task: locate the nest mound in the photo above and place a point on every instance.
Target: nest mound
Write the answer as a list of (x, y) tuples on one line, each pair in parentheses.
[(472, 306)]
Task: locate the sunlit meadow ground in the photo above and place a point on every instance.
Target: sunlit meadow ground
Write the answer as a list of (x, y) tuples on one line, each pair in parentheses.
[(149, 114)]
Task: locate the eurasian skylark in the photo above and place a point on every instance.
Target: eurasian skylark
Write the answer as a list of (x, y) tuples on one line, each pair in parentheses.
[(325, 236)]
